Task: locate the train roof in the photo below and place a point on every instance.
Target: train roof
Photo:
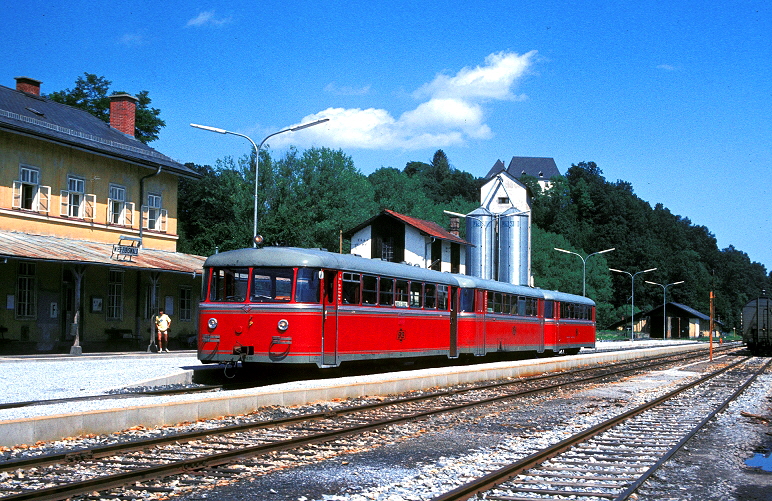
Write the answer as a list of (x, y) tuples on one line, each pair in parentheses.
[(318, 258)]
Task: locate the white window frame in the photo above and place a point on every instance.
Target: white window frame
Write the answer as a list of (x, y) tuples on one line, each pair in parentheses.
[(153, 215), (26, 291), (115, 283), (124, 215), (29, 182), (75, 202)]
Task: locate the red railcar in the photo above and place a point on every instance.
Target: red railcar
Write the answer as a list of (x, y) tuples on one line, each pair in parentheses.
[(290, 305)]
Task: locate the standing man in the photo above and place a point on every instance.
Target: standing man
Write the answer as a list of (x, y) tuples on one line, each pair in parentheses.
[(162, 324)]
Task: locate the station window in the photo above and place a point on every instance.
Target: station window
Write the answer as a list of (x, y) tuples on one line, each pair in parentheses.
[(26, 291), (186, 304), (76, 191), (115, 295)]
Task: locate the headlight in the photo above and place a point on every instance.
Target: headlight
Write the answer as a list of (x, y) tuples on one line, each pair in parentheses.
[(283, 325), (212, 323)]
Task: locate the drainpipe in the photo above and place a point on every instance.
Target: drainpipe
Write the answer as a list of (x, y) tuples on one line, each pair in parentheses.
[(142, 197), (137, 296)]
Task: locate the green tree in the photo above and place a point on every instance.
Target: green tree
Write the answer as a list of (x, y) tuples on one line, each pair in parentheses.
[(312, 197), (216, 211), (91, 94)]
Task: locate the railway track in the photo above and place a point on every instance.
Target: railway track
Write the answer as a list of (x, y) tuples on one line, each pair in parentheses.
[(214, 452), (614, 458)]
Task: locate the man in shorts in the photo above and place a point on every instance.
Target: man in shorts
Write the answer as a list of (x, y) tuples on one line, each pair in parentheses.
[(162, 324)]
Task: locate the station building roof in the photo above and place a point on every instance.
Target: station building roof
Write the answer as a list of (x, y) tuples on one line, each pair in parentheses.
[(16, 245), (39, 117)]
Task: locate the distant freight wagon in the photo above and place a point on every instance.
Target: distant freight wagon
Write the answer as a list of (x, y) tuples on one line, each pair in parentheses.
[(757, 321)]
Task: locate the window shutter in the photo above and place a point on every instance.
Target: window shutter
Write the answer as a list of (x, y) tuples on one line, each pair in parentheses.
[(128, 214), (161, 226), (89, 202), (16, 204), (44, 199), (64, 205)]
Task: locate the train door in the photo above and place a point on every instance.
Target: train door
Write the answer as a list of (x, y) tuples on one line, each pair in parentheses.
[(330, 318), (549, 331), (454, 302), (479, 337)]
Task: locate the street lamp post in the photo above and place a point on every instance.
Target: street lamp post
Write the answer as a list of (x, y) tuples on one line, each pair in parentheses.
[(256, 239), (664, 305), (632, 298), (584, 264)]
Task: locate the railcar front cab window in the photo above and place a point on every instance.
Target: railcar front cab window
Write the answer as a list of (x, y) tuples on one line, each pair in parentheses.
[(264, 285)]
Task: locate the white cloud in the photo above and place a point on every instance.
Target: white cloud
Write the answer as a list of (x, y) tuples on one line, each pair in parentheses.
[(132, 40), (451, 114), (492, 81), (207, 18), (666, 67)]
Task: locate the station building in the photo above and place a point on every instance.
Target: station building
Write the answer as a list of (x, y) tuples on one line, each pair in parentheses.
[(88, 229)]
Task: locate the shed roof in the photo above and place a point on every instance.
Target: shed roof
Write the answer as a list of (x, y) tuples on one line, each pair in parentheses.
[(37, 116), (55, 249), (673, 310)]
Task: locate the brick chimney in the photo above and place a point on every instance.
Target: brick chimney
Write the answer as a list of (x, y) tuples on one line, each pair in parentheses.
[(28, 85), (123, 109)]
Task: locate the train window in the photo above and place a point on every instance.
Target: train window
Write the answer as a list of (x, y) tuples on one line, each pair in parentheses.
[(549, 309), (416, 294), (401, 294), (271, 285), (532, 309), (369, 289), (467, 300), (386, 292), (505, 303), (521, 305), (307, 286), (430, 292), (229, 284), (442, 297), (351, 288)]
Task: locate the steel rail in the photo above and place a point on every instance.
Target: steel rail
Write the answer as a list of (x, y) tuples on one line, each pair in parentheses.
[(506, 473), (656, 466)]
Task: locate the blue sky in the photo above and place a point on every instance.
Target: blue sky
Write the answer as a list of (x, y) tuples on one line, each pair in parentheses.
[(672, 96)]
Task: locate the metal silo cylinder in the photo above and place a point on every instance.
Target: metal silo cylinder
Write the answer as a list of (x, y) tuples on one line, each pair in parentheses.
[(480, 233), (513, 247)]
